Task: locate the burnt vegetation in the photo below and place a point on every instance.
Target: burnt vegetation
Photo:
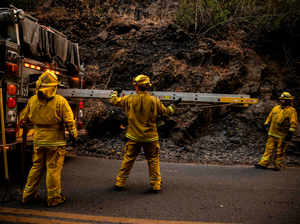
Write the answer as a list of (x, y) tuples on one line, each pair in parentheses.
[(247, 47)]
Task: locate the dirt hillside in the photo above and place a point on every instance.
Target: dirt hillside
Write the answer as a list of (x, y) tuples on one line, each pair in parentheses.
[(121, 39)]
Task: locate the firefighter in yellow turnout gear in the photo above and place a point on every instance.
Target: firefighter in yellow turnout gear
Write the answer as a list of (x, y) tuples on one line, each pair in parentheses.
[(142, 110), (50, 114), (283, 122)]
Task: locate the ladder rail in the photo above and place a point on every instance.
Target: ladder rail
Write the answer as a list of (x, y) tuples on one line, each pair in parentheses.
[(164, 96)]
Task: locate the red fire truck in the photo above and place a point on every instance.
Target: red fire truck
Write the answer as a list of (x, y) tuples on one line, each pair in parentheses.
[(27, 49)]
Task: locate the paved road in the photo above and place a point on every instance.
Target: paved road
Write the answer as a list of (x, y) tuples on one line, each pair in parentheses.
[(192, 194)]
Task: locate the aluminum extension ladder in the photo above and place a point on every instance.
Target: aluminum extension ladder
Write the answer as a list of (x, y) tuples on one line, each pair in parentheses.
[(240, 99)]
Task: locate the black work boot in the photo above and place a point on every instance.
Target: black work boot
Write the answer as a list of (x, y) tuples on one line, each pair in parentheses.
[(276, 169), (258, 166), (153, 191), (33, 199), (118, 188), (56, 201)]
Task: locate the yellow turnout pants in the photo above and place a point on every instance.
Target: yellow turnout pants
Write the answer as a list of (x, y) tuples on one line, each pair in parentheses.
[(51, 158), (152, 154), (275, 148)]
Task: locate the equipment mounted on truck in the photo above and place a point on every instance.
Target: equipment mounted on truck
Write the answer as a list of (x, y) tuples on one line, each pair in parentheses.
[(27, 49)]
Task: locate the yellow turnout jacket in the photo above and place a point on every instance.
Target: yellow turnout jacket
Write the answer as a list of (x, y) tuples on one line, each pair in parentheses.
[(282, 119), (142, 110), (50, 117)]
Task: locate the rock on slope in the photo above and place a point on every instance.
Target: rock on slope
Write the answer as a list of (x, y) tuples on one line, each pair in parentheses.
[(121, 40)]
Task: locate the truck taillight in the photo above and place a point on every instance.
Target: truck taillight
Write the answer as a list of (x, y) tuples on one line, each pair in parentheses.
[(75, 79), (53, 71), (80, 112), (36, 67), (11, 93), (12, 116), (12, 89), (12, 68), (81, 106), (11, 102)]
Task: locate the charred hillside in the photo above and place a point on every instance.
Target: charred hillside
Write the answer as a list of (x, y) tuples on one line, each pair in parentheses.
[(121, 39)]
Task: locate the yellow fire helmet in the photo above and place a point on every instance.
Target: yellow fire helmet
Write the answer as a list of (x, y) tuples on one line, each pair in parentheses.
[(47, 79), (286, 96), (46, 85), (142, 80)]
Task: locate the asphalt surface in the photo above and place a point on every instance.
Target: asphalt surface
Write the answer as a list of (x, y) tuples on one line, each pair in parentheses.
[(191, 193)]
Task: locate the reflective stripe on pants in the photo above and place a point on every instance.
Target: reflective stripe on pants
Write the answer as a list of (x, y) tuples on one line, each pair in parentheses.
[(152, 154)]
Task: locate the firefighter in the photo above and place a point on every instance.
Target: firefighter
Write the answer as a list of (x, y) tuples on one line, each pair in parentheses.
[(50, 114), (142, 110), (283, 123)]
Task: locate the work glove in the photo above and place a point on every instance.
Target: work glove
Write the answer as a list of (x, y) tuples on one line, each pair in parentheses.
[(117, 90), (172, 107), (289, 136), (72, 140), (266, 127), (178, 101)]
